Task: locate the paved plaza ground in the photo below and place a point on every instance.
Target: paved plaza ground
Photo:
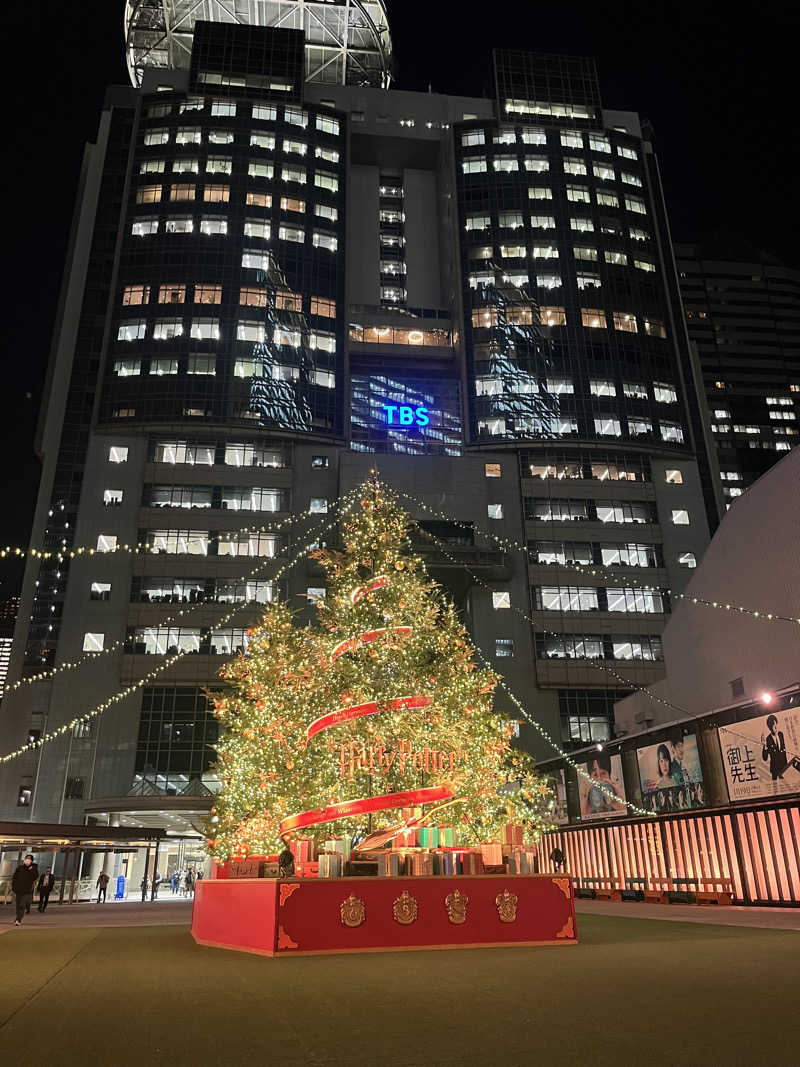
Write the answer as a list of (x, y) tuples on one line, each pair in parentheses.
[(634, 991)]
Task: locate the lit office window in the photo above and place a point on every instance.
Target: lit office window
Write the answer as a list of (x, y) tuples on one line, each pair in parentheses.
[(148, 194)]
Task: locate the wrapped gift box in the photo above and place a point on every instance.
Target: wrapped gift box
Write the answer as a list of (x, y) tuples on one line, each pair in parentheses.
[(389, 864), (303, 850), (451, 863), (330, 865), (422, 864), (406, 839), (492, 854), (342, 845), (429, 836), (513, 834), (472, 863), (447, 836)]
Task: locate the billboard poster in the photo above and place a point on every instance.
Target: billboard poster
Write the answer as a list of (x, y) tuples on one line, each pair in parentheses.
[(603, 794), (761, 756), (671, 776)]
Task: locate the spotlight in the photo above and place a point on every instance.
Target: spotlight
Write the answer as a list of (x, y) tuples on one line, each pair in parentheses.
[(766, 698)]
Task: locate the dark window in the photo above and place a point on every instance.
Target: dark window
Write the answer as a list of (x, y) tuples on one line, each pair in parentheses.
[(24, 795), (737, 687), (73, 790)]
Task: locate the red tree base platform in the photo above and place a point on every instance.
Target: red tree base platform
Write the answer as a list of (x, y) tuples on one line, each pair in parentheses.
[(293, 917)]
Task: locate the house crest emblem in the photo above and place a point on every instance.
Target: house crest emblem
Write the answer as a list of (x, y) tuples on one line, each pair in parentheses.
[(456, 904), (352, 911), (506, 906), (405, 909)]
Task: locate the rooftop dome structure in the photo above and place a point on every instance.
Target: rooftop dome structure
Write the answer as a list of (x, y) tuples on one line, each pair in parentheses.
[(347, 41)]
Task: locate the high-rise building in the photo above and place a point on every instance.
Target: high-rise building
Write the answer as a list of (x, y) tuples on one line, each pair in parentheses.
[(277, 281), (8, 617), (744, 318)]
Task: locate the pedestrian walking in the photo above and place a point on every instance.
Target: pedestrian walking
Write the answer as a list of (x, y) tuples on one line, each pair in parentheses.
[(22, 884), (102, 885), (45, 887), (144, 884), (189, 883), (156, 884)]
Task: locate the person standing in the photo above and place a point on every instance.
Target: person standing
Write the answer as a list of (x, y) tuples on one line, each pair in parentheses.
[(22, 886), (45, 887), (102, 885), (773, 749), (189, 883), (144, 884)]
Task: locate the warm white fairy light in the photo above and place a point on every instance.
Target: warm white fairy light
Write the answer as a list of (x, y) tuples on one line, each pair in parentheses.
[(535, 722), (140, 546), (599, 572), (71, 665), (98, 710)]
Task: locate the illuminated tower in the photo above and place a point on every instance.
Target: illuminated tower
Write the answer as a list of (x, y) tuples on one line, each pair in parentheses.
[(282, 273)]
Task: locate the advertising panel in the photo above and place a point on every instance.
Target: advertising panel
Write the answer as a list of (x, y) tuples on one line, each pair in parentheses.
[(603, 794), (671, 776), (761, 756)]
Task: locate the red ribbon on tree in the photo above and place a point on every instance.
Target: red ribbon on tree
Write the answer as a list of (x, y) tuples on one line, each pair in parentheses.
[(352, 643), (347, 808), (355, 711)]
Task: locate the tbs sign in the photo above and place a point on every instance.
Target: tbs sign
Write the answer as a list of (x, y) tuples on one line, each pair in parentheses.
[(405, 416)]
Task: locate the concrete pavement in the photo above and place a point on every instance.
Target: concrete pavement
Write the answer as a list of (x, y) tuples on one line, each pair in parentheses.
[(170, 911), (758, 918)]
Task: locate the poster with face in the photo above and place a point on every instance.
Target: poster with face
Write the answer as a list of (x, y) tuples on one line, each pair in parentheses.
[(761, 756), (602, 791), (671, 776)]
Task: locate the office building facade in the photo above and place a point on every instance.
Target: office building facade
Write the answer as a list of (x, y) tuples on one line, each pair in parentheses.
[(276, 283), (744, 319)]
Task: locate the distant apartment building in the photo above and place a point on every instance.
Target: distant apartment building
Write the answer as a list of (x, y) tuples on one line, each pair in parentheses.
[(744, 318)]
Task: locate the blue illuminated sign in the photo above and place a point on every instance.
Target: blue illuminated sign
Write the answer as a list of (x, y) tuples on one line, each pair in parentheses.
[(404, 415)]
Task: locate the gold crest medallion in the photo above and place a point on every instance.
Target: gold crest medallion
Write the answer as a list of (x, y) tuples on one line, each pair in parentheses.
[(405, 909), (456, 904), (506, 906), (352, 911)]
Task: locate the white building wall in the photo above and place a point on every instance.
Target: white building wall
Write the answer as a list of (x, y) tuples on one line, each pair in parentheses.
[(753, 561)]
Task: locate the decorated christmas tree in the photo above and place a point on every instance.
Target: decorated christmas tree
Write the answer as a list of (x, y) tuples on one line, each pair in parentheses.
[(373, 717)]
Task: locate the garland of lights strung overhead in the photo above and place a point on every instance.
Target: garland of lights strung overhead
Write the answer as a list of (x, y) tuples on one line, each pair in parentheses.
[(98, 710), (70, 665), (510, 543)]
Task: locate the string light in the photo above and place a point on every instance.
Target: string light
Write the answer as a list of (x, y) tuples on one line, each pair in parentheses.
[(595, 572), (140, 546), (553, 633), (71, 665), (303, 731), (98, 710), (535, 722)]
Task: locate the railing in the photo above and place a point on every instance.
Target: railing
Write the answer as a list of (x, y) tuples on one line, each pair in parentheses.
[(752, 852)]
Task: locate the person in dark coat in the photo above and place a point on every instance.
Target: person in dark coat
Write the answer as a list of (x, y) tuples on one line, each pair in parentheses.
[(22, 884), (45, 887), (773, 749)]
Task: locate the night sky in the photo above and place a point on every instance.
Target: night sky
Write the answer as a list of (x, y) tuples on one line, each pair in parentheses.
[(718, 83)]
